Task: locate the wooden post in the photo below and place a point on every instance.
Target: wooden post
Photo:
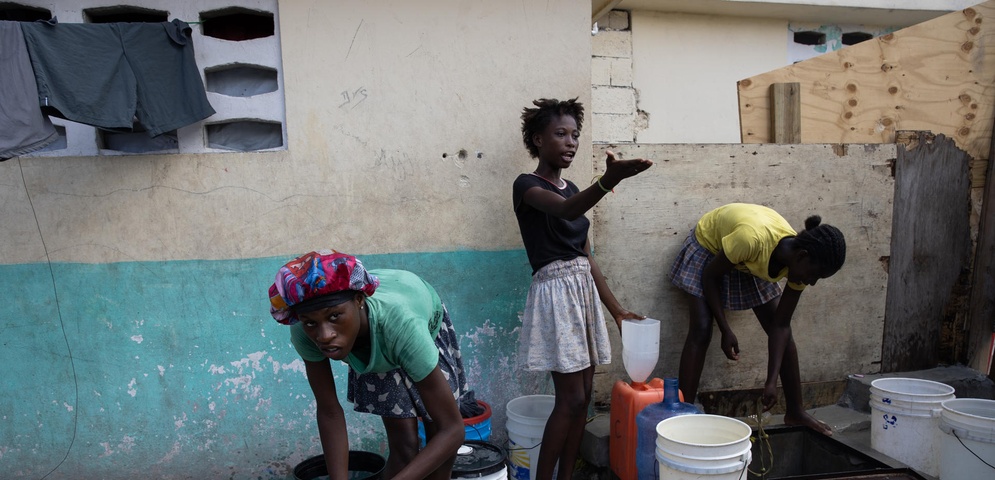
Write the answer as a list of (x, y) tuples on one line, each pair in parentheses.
[(982, 306), (785, 112)]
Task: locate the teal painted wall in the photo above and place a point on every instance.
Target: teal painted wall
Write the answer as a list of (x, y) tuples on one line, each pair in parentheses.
[(176, 368)]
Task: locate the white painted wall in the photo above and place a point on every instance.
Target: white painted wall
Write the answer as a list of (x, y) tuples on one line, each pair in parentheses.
[(685, 68)]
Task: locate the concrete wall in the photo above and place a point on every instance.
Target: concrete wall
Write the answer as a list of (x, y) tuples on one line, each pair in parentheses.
[(136, 336), (838, 323)]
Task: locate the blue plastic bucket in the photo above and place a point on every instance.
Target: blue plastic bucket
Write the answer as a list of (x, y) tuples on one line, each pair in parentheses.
[(475, 428)]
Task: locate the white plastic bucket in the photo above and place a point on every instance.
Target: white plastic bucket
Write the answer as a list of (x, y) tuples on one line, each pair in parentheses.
[(969, 425), (703, 446), (905, 416), (526, 421), (478, 460)]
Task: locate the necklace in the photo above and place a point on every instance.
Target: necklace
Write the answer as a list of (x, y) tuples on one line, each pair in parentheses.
[(561, 185)]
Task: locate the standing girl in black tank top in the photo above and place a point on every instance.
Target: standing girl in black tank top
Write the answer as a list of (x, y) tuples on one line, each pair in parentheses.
[(563, 328)]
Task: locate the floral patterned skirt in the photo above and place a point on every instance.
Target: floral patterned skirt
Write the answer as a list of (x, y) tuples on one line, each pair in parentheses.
[(563, 328)]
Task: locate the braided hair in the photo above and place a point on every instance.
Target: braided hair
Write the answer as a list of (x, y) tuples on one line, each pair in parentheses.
[(535, 120), (824, 243)]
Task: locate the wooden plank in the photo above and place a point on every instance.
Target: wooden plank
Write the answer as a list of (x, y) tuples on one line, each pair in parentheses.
[(930, 249), (638, 230), (982, 308), (785, 112), (934, 76)]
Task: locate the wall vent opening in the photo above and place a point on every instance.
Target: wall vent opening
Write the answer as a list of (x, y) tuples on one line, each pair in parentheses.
[(124, 13), (245, 135), (240, 80), (853, 38), (13, 12), (237, 24), (810, 38), (137, 142)]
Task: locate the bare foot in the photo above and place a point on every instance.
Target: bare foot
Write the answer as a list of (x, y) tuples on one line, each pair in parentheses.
[(809, 421)]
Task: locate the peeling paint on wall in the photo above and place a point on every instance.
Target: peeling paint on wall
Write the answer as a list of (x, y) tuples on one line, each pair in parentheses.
[(183, 375)]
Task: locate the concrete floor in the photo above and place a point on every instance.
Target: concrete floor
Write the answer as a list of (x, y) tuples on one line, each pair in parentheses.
[(849, 418)]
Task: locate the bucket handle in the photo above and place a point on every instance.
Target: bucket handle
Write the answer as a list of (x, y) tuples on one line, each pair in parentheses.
[(524, 448), (953, 431)]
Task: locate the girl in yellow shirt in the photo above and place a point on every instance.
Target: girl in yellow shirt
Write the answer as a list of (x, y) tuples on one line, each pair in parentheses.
[(733, 259)]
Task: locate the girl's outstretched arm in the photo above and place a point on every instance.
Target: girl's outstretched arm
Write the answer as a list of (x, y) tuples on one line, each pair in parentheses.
[(605, 294), (435, 461), (777, 340), (331, 419), (575, 206)]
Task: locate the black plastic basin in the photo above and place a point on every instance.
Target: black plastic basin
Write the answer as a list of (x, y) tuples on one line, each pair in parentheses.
[(362, 466)]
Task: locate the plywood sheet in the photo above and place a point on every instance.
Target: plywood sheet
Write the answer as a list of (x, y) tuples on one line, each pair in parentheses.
[(639, 229), (935, 76)]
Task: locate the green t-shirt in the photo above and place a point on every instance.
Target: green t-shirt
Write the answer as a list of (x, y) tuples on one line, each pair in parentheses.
[(405, 314), (748, 235)]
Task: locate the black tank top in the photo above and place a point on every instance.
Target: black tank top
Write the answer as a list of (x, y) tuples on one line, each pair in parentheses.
[(548, 238)]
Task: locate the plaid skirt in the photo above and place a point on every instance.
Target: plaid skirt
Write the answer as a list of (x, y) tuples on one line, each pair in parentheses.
[(563, 327), (740, 290), (394, 395)]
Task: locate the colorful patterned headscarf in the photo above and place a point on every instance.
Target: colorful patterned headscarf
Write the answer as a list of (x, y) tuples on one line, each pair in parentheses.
[(313, 275)]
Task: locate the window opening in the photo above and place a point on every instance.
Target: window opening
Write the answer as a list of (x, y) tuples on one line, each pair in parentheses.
[(237, 24), (240, 80), (810, 38), (245, 135)]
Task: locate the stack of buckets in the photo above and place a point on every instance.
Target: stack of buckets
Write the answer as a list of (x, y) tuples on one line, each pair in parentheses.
[(967, 448), (921, 423), (695, 447), (905, 414)]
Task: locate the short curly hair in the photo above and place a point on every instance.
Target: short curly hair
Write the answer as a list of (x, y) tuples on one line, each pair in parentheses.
[(535, 120)]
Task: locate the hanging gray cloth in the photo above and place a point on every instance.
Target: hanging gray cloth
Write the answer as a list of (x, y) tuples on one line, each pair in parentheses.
[(109, 74), (23, 126)]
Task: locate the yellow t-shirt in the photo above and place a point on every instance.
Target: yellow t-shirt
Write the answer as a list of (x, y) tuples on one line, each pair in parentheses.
[(747, 234)]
